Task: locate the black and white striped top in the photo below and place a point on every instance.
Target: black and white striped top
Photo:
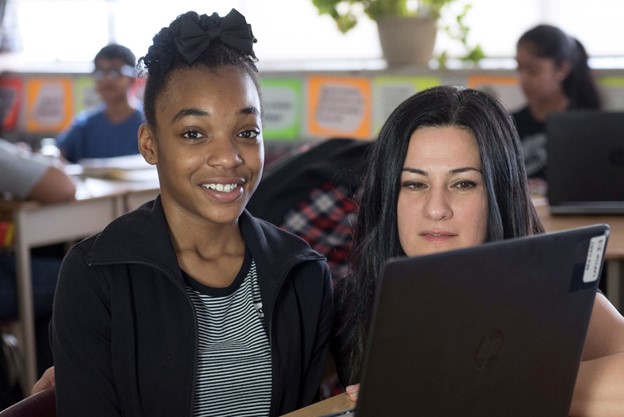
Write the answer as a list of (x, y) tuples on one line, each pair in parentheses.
[(234, 370)]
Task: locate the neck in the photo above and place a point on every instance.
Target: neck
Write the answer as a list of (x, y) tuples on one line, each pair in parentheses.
[(543, 108), (119, 111)]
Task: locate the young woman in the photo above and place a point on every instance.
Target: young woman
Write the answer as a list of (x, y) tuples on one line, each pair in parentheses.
[(554, 76), (189, 306), (446, 172)]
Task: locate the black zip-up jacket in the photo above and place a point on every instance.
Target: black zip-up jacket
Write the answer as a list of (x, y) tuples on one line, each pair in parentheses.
[(124, 333)]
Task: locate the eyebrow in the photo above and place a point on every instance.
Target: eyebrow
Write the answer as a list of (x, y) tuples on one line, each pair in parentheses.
[(452, 171), (193, 111)]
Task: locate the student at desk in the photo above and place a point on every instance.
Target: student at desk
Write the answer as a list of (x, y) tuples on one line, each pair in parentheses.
[(446, 172), (110, 129), (189, 305), (554, 76), (26, 176)]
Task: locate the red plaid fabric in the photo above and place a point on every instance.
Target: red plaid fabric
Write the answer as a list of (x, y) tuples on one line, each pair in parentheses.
[(325, 220)]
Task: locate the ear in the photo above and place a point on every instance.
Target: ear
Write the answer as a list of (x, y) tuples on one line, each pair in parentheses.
[(564, 70), (148, 145)]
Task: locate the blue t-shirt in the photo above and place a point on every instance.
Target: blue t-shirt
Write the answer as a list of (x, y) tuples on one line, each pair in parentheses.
[(92, 135)]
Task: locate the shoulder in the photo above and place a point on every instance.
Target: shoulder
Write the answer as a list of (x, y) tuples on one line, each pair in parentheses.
[(275, 249), (521, 114), (526, 123), (89, 115), (265, 234)]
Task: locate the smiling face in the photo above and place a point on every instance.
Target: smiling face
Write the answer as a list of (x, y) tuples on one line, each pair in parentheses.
[(208, 145), (442, 202)]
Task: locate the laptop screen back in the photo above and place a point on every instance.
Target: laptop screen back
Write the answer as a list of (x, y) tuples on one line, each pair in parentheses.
[(491, 330), (585, 162)]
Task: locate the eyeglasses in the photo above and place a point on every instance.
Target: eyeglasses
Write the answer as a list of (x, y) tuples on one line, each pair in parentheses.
[(114, 73)]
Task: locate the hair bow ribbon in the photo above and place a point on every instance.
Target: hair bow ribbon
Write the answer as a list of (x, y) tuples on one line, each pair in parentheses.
[(232, 29)]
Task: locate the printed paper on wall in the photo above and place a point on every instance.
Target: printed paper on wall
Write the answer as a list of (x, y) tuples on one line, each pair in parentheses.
[(503, 87), (85, 96), (339, 107), (282, 100), (49, 106), (389, 92)]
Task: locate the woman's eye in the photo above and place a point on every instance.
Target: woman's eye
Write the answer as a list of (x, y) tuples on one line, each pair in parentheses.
[(414, 185), (464, 185), (249, 134), (192, 134)]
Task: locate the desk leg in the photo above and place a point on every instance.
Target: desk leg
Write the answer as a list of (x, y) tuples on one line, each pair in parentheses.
[(615, 279), (25, 308)]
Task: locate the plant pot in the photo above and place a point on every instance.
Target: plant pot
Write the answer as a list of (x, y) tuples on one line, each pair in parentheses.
[(407, 40)]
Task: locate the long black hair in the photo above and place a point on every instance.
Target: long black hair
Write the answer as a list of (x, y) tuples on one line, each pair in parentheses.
[(376, 239), (547, 41)]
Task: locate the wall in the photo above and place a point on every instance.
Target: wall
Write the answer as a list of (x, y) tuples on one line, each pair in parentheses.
[(300, 106)]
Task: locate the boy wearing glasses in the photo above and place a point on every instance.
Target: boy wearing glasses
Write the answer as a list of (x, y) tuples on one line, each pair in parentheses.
[(110, 129)]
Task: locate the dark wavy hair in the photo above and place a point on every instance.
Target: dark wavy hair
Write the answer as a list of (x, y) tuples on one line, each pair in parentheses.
[(547, 41), (163, 58), (510, 210), (116, 51)]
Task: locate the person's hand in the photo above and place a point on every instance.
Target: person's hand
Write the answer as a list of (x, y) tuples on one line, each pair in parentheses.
[(46, 381), (353, 391)]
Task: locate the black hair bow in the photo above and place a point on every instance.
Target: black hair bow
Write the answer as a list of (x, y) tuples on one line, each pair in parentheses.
[(232, 29)]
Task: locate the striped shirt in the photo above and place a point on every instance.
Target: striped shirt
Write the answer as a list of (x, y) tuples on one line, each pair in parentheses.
[(234, 369)]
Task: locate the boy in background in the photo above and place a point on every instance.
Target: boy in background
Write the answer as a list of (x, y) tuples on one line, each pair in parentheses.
[(110, 129)]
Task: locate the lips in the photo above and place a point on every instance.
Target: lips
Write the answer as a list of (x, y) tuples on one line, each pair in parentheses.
[(437, 235)]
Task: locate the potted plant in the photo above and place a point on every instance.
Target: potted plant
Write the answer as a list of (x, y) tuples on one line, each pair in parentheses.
[(398, 23)]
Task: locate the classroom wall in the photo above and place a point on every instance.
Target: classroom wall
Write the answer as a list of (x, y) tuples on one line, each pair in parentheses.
[(298, 106)]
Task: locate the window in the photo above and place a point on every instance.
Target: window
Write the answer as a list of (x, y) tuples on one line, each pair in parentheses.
[(291, 31)]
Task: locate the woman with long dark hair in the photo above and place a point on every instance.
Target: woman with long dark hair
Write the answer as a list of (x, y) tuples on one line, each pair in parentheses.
[(446, 172)]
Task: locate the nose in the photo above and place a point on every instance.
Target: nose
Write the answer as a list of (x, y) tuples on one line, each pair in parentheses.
[(437, 206), (223, 152)]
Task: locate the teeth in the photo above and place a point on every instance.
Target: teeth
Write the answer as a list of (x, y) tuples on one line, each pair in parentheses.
[(223, 188)]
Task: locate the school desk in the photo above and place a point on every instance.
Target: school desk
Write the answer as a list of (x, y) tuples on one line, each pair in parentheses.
[(614, 255), (334, 404), (97, 203)]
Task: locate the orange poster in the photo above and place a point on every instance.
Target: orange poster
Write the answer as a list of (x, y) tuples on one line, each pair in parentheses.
[(504, 87), (49, 104), (339, 106)]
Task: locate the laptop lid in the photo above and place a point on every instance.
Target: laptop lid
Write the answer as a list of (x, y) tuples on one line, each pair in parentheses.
[(585, 162), (493, 330)]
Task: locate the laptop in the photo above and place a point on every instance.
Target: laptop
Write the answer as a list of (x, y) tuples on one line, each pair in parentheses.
[(489, 331), (585, 162)]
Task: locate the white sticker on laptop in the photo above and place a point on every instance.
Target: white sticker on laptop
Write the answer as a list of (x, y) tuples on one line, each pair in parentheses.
[(594, 258)]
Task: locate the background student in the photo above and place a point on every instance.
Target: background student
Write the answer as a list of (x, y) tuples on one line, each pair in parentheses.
[(446, 172), (26, 176), (554, 76), (110, 129), (189, 305)]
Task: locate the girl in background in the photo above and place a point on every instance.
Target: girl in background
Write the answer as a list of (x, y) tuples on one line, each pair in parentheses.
[(554, 76)]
